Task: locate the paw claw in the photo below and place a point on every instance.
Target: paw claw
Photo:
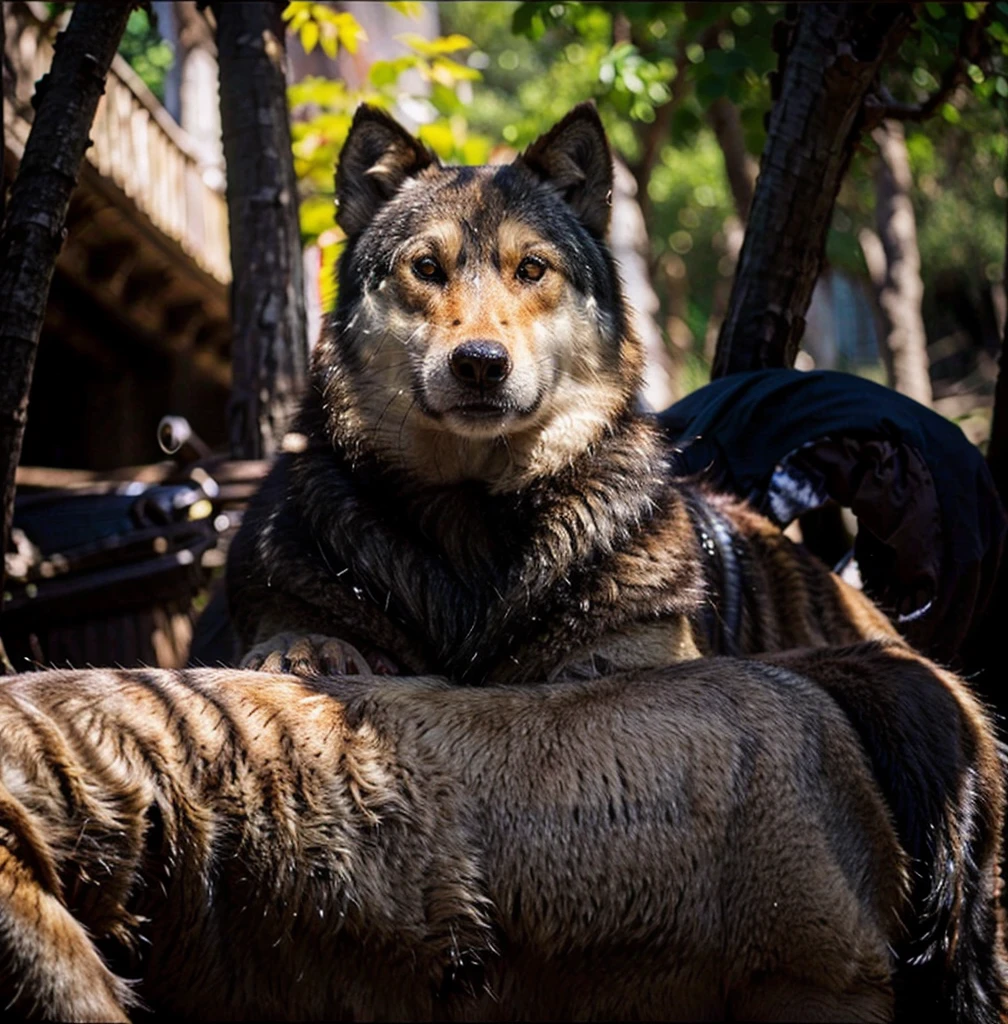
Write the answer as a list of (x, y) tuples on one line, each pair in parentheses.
[(306, 655)]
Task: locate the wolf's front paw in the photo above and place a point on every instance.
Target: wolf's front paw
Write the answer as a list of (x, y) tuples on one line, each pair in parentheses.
[(307, 654)]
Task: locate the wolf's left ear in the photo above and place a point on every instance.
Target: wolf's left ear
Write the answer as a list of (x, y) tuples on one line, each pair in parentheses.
[(574, 156), (377, 157)]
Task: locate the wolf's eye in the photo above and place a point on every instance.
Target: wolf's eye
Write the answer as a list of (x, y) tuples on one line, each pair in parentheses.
[(531, 268), (428, 269)]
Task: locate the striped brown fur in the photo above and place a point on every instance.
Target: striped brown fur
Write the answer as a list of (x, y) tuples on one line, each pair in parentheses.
[(705, 841), (519, 545), (543, 538)]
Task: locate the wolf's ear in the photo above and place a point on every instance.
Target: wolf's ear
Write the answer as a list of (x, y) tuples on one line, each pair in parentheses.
[(377, 157), (574, 156)]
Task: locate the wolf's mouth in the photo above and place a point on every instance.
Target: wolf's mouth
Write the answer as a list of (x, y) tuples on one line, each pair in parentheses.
[(481, 410)]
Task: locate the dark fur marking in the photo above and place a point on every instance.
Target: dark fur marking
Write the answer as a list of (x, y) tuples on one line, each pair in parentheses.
[(921, 748), (499, 588)]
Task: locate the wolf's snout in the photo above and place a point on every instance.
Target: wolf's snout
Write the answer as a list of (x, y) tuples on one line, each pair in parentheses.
[(480, 364)]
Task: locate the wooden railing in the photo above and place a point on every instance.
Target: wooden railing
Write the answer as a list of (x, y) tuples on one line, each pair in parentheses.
[(137, 146)]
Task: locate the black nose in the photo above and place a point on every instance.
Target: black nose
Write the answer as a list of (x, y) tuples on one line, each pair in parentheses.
[(480, 364)]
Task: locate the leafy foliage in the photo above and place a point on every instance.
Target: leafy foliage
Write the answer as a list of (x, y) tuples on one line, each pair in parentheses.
[(507, 71), (150, 56), (319, 24), (323, 109)]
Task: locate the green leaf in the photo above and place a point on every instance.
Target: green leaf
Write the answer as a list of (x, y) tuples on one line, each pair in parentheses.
[(309, 36), (299, 19), (450, 71), (937, 11), (409, 8), (438, 136), (328, 282), (445, 100), (476, 149), (324, 92), (323, 14), (435, 47), (330, 42), (296, 8), (386, 72), (695, 53), (521, 20), (350, 32), (318, 214), (709, 88)]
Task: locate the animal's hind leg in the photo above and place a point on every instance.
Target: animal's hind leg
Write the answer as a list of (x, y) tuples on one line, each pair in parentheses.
[(49, 968)]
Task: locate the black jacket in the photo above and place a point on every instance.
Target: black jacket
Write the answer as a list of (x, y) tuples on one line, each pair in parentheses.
[(931, 526)]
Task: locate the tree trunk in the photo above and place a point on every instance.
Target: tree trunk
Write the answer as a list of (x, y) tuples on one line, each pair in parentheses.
[(815, 124), (270, 351), (740, 168), (628, 239), (997, 447), (65, 100), (893, 261), (3, 155)]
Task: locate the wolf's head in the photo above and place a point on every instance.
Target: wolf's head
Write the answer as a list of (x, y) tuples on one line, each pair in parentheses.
[(480, 331)]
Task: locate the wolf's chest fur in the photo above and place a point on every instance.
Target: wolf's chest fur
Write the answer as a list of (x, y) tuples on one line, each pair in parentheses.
[(477, 496), (485, 587)]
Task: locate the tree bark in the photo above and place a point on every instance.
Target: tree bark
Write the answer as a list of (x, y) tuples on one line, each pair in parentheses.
[(740, 168), (270, 350), (836, 52), (65, 100), (628, 239), (893, 260), (3, 154), (997, 447)]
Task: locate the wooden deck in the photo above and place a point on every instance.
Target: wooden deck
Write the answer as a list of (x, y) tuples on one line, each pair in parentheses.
[(147, 235)]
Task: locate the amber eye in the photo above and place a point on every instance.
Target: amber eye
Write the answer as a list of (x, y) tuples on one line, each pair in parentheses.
[(428, 269), (531, 268)]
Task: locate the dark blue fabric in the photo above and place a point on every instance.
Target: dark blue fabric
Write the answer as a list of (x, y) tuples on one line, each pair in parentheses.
[(736, 431)]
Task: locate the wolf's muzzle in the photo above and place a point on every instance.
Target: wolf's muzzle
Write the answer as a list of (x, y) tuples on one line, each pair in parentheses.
[(480, 364)]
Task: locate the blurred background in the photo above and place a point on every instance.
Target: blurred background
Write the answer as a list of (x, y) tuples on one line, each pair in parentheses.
[(140, 319)]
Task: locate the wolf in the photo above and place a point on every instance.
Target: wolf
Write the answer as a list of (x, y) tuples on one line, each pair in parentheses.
[(474, 491), (813, 836)]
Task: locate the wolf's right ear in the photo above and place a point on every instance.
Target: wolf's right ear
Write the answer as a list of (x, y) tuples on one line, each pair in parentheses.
[(377, 157), (574, 157)]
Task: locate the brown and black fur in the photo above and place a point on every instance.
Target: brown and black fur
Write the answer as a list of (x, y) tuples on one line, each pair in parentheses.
[(721, 839), (531, 531), (547, 538)]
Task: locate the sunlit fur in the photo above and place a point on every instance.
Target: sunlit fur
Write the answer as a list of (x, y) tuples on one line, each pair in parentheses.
[(550, 542), (717, 840), (386, 354)]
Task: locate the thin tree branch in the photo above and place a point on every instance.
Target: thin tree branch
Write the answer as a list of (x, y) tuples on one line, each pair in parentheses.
[(997, 446), (967, 52)]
